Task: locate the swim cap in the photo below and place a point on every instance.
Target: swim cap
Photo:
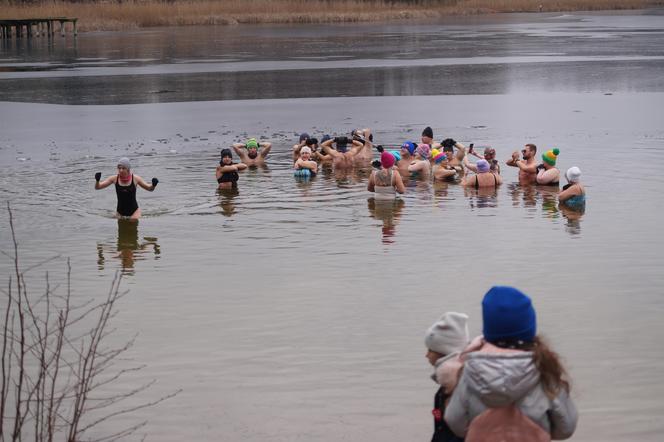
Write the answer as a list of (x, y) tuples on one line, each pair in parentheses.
[(573, 174), (550, 156), (482, 166), (226, 153), (427, 132), (325, 138), (434, 152), (304, 136), (251, 143), (396, 154), (424, 150), (409, 146), (124, 162), (387, 160), (439, 158), (305, 149)]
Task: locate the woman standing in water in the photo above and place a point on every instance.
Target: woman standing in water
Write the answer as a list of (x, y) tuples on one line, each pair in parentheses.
[(227, 171), (483, 178), (547, 173), (385, 182), (125, 189), (573, 194), (305, 166)]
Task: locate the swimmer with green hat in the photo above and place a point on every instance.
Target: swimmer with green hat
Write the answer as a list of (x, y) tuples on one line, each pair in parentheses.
[(249, 151), (547, 173)]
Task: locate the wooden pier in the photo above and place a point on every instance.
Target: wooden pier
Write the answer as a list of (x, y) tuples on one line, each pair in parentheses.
[(35, 27)]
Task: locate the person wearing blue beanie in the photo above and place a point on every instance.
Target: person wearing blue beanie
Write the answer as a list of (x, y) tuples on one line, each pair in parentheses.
[(513, 387), (508, 315)]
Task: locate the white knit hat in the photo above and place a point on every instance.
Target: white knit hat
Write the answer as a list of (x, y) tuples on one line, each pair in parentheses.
[(573, 174), (449, 334)]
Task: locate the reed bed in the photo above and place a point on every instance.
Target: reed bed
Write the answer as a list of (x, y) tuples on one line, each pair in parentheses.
[(132, 14)]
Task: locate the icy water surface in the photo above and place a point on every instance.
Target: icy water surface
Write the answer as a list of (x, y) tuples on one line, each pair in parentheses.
[(296, 310)]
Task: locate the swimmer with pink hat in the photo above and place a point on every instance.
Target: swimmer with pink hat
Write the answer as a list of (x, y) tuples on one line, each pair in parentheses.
[(386, 182)]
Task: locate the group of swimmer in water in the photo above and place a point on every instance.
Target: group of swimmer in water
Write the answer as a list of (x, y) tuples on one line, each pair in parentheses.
[(447, 160)]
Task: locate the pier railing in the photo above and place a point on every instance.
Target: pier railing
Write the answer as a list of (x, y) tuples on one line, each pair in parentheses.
[(35, 27)]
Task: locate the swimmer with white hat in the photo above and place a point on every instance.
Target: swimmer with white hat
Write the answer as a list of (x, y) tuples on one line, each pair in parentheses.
[(573, 194), (305, 166)]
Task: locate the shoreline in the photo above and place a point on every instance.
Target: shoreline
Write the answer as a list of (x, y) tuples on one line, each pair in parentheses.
[(134, 15)]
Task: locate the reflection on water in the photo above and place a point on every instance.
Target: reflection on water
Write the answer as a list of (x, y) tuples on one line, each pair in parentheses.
[(481, 198), (226, 204), (523, 195), (128, 248), (573, 215), (389, 213)]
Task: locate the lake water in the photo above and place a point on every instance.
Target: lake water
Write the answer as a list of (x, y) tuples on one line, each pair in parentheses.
[(296, 311)]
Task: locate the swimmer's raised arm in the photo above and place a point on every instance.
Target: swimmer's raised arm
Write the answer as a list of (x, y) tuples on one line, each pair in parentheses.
[(240, 150), (357, 147), (469, 165), (327, 148), (266, 147), (512, 161), (461, 151), (107, 182), (144, 185)]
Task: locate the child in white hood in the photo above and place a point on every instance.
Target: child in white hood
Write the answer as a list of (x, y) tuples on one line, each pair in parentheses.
[(444, 341), (513, 388)]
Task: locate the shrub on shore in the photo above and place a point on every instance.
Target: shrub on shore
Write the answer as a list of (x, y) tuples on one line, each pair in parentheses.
[(128, 14)]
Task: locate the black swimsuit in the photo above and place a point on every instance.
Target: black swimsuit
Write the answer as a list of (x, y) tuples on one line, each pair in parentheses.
[(477, 181), (229, 177), (127, 204)]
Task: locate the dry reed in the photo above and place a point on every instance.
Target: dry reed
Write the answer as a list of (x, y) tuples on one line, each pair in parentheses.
[(130, 14)]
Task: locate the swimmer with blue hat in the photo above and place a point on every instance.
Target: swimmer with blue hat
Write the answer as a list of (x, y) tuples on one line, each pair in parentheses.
[(249, 151)]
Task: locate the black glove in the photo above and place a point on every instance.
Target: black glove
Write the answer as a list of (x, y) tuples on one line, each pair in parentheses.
[(97, 176), (448, 142), (470, 148), (358, 138), (376, 164), (379, 148), (155, 181)]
